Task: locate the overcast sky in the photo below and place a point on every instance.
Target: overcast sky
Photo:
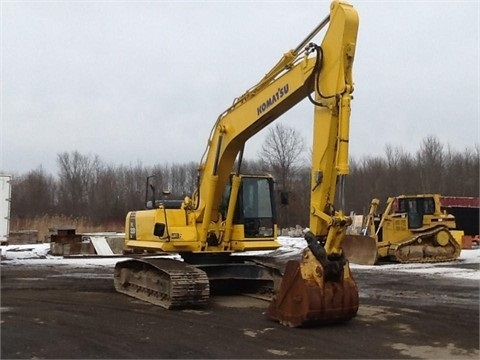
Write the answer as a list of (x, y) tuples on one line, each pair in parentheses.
[(144, 81)]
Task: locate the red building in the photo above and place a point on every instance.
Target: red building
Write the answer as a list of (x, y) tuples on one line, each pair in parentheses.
[(467, 216)]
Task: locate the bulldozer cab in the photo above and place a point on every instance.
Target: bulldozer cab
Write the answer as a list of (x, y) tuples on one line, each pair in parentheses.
[(415, 208)]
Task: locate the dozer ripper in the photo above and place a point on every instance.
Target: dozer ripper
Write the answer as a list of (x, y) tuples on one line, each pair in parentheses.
[(231, 212), (411, 229)]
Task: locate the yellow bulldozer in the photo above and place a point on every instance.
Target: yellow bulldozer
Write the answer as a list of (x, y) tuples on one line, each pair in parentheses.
[(412, 229)]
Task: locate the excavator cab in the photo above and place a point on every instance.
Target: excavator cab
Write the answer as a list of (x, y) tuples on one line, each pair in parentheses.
[(254, 208)]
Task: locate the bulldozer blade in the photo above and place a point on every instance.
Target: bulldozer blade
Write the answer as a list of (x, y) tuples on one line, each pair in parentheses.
[(359, 249), (306, 299)]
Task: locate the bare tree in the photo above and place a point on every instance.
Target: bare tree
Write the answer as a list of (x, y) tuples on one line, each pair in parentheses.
[(250, 166), (131, 186), (367, 180), (85, 187), (191, 181), (462, 172), (281, 154), (33, 194), (430, 162), (178, 180), (106, 204), (77, 176)]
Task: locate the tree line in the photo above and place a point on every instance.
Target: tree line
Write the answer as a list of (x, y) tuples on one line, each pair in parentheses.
[(86, 187)]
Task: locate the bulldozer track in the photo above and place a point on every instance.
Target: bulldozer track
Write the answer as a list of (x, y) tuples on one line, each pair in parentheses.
[(168, 283), (422, 249)]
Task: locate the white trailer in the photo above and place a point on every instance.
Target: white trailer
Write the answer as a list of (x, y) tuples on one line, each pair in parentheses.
[(5, 200)]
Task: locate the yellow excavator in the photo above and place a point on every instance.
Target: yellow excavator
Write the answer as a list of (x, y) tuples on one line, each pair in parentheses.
[(411, 229), (231, 212)]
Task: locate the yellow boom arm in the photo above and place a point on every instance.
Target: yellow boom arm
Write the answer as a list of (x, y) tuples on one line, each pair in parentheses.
[(325, 70)]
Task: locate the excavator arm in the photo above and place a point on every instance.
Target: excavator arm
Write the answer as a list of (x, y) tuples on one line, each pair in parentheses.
[(320, 287), (325, 71)]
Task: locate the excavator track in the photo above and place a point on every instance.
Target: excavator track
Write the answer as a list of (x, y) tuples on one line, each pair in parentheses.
[(168, 283), (436, 245)]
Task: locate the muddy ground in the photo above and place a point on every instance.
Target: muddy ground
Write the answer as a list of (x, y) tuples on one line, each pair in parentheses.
[(67, 312)]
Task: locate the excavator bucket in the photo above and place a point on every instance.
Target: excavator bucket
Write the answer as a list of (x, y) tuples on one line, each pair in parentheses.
[(306, 297), (359, 249)]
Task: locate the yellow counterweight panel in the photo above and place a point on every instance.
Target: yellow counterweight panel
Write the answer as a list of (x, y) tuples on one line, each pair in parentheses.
[(178, 234), (183, 246)]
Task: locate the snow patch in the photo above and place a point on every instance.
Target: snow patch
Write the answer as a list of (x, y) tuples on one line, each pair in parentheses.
[(38, 254)]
